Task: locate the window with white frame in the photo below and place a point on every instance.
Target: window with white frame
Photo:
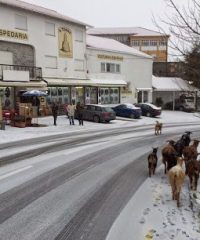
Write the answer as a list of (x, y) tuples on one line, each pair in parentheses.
[(50, 28), (110, 67), (163, 43), (50, 62), (145, 42), (79, 35), (153, 43), (117, 68), (20, 22), (136, 43)]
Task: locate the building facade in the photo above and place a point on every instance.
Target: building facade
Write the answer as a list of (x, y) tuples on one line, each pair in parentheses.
[(42, 49), (38, 45), (124, 74), (147, 41)]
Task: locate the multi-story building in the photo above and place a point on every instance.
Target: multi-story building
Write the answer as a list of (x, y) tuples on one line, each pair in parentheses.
[(148, 41), (42, 49)]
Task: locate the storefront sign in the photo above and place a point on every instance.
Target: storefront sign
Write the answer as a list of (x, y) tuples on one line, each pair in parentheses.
[(103, 56), (13, 34)]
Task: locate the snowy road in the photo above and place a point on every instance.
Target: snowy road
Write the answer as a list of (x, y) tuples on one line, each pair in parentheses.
[(94, 189)]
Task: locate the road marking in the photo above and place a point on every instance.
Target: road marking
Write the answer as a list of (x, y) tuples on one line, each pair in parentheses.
[(15, 172)]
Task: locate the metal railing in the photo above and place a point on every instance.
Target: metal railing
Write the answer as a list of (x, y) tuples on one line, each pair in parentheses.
[(34, 72)]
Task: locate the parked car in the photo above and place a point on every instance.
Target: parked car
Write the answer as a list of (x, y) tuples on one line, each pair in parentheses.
[(149, 109), (127, 110), (98, 113), (186, 105)]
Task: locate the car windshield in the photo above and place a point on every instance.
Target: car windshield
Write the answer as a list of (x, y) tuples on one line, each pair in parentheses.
[(131, 106), (153, 106)]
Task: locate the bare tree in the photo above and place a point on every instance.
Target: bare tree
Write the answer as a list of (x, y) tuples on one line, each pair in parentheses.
[(183, 24)]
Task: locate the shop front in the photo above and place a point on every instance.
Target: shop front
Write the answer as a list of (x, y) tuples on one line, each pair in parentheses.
[(87, 91), (13, 102)]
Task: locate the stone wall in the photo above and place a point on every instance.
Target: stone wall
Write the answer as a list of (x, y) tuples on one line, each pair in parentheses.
[(22, 54)]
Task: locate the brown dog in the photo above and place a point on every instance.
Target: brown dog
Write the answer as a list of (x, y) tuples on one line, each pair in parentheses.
[(158, 128)]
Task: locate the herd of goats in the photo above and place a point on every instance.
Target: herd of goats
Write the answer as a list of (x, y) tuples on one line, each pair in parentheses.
[(174, 154)]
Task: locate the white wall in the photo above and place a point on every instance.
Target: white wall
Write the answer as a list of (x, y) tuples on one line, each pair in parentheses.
[(136, 71), (44, 44)]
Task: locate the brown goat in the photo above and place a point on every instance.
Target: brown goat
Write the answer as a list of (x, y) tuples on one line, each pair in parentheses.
[(152, 161), (158, 128), (169, 155), (190, 152), (176, 177), (193, 170)]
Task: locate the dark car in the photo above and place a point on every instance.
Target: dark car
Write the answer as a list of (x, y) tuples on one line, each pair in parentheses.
[(149, 110), (98, 113), (127, 110)]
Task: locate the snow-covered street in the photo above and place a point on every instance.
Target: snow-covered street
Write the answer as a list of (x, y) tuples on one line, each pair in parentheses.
[(150, 214)]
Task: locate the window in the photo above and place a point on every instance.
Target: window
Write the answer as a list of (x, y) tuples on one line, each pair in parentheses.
[(117, 68), (153, 43), (79, 36), (50, 29), (110, 67), (163, 43), (145, 42), (20, 22), (136, 43), (50, 62), (107, 67)]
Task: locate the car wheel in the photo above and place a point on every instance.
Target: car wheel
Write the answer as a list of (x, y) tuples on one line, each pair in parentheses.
[(132, 115), (148, 114), (181, 108), (96, 119)]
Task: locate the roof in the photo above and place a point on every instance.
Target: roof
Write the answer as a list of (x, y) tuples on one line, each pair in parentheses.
[(171, 84), (108, 44), (136, 31), (40, 10)]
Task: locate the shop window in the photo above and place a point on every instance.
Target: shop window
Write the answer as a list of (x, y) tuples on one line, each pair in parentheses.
[(59, 91), (20, 22)]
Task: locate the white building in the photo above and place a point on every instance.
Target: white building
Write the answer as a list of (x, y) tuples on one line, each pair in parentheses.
[(111, 65), (42, 49), (39, 44)]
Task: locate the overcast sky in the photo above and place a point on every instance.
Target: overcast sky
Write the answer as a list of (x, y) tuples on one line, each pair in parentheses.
[(110, 13)]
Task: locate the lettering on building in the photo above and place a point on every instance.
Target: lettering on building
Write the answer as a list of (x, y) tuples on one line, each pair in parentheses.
[(13, 34), (103, 56)]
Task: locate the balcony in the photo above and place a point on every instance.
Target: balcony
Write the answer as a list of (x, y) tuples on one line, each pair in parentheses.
[(35, 73)]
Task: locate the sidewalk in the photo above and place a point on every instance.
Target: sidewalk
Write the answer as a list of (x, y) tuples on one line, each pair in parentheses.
[(47, 127), (151, 214)]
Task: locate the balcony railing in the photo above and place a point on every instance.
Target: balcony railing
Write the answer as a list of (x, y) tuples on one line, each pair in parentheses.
[(35, 73)]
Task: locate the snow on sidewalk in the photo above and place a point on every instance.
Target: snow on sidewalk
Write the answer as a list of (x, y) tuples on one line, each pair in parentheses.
[(47, 127), (152, 214)]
